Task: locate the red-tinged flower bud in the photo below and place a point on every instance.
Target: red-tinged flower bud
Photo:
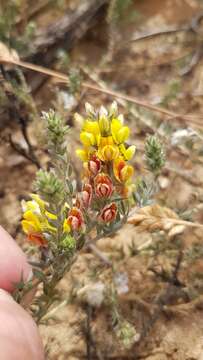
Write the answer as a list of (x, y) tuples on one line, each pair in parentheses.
[(84, 198), (75, 219), (37, 239), (94, 165), (103, 186), (108, 214)]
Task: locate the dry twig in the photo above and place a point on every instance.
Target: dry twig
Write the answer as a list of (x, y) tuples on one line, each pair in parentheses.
[(197, 121)]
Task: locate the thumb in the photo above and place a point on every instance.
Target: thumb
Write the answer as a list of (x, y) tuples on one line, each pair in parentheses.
[(19, 338)]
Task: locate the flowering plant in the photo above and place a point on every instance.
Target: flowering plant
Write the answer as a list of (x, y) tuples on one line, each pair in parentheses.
[(59, 218)]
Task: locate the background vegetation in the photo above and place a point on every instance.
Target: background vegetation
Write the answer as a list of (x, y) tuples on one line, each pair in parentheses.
[(148, 56)]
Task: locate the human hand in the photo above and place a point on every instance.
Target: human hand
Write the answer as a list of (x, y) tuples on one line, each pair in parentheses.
[(19, 338)]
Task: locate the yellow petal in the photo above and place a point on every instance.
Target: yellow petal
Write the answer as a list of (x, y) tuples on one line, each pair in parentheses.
[(130, 152), (117, 164), (108, 153), (91, 127), (33, 219), (116, 125), (45, 226), (98, 139), (87, 139), (127, 153), (82, 154), (123, 134), (119, 132), (66, 226), (38, 200), (31, 216), (126, 173), (50, 215), (30, 205), (106, 140), (104, 125), (29, 226)]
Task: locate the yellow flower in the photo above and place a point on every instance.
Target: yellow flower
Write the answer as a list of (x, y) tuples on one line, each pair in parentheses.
[(119, 132), (106, 137), (37, 206), (33, 226), (35, 223), (90, 133), (92, 129), (108, 152), (36, 218), (31, 223), (127, 153)]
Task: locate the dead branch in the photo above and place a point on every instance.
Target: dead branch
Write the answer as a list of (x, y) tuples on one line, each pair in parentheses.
[(67, 29), (64, 33)]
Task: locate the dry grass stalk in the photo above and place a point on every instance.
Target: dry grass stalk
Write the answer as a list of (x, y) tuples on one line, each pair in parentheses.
[(154, 217), (12, 60)]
